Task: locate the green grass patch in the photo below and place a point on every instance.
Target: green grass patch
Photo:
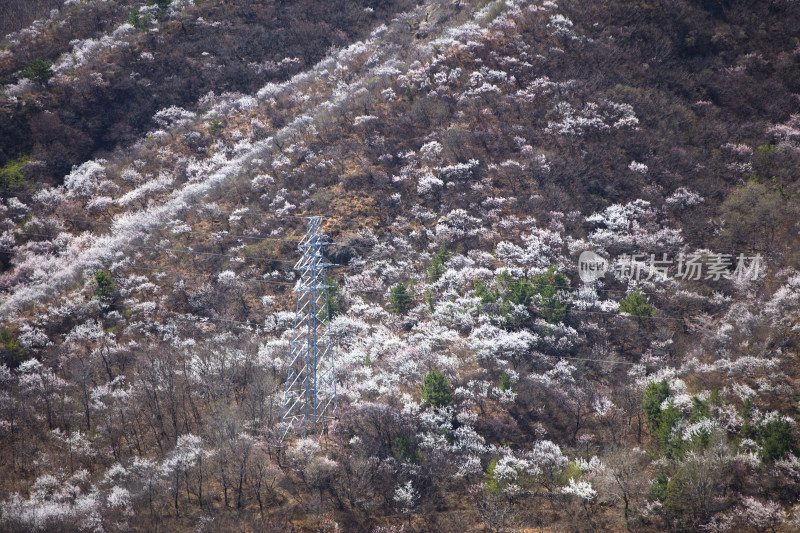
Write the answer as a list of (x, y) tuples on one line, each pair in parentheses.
[(12, 175)]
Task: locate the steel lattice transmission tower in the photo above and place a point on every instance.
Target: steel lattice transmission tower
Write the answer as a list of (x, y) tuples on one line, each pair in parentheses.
[(309, 402)]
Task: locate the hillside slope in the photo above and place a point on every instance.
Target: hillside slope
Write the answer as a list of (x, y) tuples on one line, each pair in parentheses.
[(463, 153), (116, 63), (16, 15)]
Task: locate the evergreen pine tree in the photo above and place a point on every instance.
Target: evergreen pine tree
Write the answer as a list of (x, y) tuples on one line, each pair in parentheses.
[(635, 304), (437, 268), (436, 389), (400, 300), (38, 70), (105, 285)]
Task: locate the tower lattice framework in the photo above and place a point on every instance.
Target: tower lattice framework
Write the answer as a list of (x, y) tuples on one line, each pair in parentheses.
[(309, 402)]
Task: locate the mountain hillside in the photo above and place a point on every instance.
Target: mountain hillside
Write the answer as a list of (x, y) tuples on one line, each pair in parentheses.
[(472, 161), (116, 63)]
